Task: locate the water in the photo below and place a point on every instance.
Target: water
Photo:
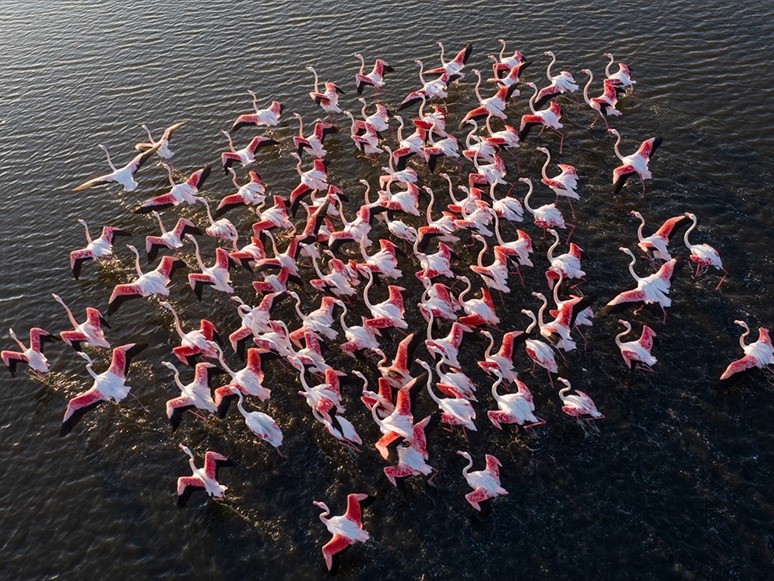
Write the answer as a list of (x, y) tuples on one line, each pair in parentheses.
[(674, 484)]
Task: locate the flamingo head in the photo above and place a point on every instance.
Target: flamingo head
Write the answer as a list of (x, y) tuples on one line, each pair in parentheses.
[(250, 93), (357, 55), (419, 62), (475, 72), (608, 55), (625, 251), (539, 296), (226, 133), (186, 450), (586, 72), (543, 149), (321, 505), (564, 381), (690, 216), (296, 115), (102, 147), (636, 214), (310, 69), (486, 334), (741, 324), (464, 454), (625, 324), (612, 131), (169, 365), (531, 85), (548, 53), (491, 57), (82, 222), (80, 353)]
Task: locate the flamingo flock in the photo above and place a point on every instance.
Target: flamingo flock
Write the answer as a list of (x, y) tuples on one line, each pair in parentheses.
[(413, 362)]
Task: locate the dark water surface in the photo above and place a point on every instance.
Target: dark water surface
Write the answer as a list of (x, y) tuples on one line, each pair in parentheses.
[(675, 483)]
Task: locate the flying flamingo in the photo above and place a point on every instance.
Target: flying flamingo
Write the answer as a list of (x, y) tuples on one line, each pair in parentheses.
[(245, 156), (375, 78), (196, 394), (205, 479), (252, 193), (623, 76), (546, 216), (110, 384), (314, 179), (379, 120), (216, 276), (503, 64), (496, 274), (545, 118), (314, 142), (410, 457), (485, 483), (454, 383), (636, 163), (448, 347), (90, 331), (364, 135), (494, 105), (566, 265), (399, 422), (124, 175), (758, 354), (454, 411), (605, 104), (578, 405), (383, 262), (650, 289), (149, 283), (163, 151), (435, 88), (563, 184), (97, 249), (359, 336), (703, 254), (172, 239), (397, 374), (637, 353), (502, 361), (454, 66), (478, 311), (561, 83), (657, 242), (184, 192), (439, 300), (346, 529), (248, 380), (514, 408), (329, 99), (390, 309), (202, 341), (260, 424), (255, 320), (268, 117), (540, 353), (33, 356), (274, 217)]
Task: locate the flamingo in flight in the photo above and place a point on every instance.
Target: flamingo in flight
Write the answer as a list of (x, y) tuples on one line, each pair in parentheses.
[(90, 331), (216, 276), (563, 184), (477, 311), (759, 354), (485, 483), (650, 289), (110, 384), (172, 239), (259, 423), (33, 356), (435, 88), (561, 83), (636, 163), (454, 411), (494, 105), (163, 151), (248, 380), (196, 394), (375, 78), (268, 117), (454, 66), (250, 193), (703, 254), (410, 457), (314, 142), (97, 249), (346, 529), (502, 361), (605, 104), (545, 118), (503, 64), (622, 76), (637, 353), (151, 283), (245, 156), (205, 479), (329, 99), (514, 408), (657, 242), (202, 341), (578, 405), (124, 175), (566, 265), (184, 192), (540, 353)]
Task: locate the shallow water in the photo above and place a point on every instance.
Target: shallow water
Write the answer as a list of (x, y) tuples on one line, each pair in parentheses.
[(672, 483)]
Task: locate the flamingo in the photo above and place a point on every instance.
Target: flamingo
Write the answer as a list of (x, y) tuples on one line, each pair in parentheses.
[(255, 320), (430, 89), (390, 309), (274, 217), (454, 383), (545, 118), (196, 394), (561, 83), (409, 146), (546, 216), (364, 135), (163, 151), (454, 411), (221, 229), (205, 479), (454, 66), (505, 63), (496, 274), (249, 253), (360, 336), (448, 347), (97, 249), (329, 99), (563, 184), (403, 176), (124, 175), (319, 321), (439, 300), (313, 143), (246, 155), (446, 147), (346, 529), (202, 341), (650, 289), (657, 242), (172, 239), (250, 193), (375, 78), (572, 312), (513, 76), (506, 207), (478, 311), (540, 353), (435, 121), (314, 179), (557, 331), (605, 104), (268, 117), (33, 356), (637, 162), (184, 192), (484, 146), (517, 250), (514, 408), (397, 374), (494, 105), (758, 354), (578, 405), (433, 265), (566, 265), (149, 283), (623, 76), (379, 120), (411, 458), (216, 276), (703, 254), (90, 331), (637, 352), (502, 361), (110, 384), (399, 422), (490, 173), (338, 280), (383, 262), (485, 483), (504, 138), (259, 423), (248, 380)]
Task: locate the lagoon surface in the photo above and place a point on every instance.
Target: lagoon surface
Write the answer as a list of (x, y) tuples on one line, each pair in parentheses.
[(675, 482)]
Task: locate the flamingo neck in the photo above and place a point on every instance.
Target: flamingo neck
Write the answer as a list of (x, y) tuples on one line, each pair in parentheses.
[(639, 230), (481, 254), (626, 331), (526, 200), (610, 64), (744, 336), (497, 230), (495, 385), (468, 467), (177, 322), (198, 255), (531, 315), (548, 69), (545, 165), (687, 233), (542, 309), (631, 268), (469, 136), (301, 120), (488, 126), (586, 90), (137, 262), (478, 84), (443, 63), (86, 228), (362, 63), (615, 147), (314, 72), (368, 288), (421, 70), (465, 291), (532, 100), (550, 253), (491, 346), (91, 371)]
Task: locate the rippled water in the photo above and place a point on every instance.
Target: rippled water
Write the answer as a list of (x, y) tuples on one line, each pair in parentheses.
[(675, 481)]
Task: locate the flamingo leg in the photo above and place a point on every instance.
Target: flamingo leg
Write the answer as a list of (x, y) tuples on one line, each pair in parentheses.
[(139, 402), (572, 229), (725, 274)]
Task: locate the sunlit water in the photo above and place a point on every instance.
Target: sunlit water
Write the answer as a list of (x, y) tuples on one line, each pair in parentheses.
[(675, 482)]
